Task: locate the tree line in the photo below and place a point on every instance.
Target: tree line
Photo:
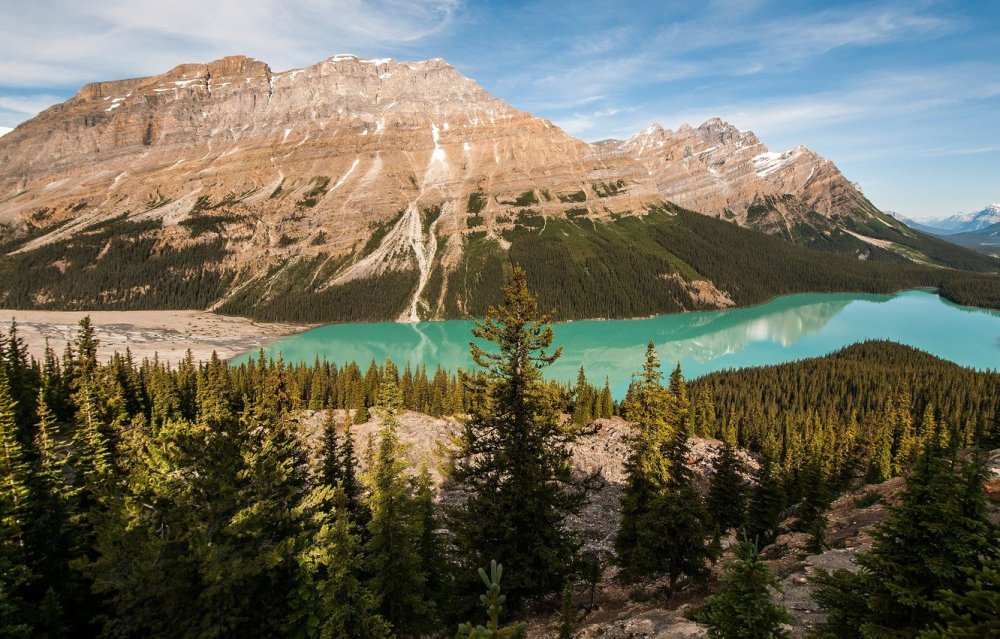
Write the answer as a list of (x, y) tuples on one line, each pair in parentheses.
[(628, 266)]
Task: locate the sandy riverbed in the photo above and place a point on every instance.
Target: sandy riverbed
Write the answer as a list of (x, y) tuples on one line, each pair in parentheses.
[(167, 333)]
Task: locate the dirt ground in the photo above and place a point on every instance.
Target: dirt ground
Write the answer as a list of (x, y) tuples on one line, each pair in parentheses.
[(166, 333)]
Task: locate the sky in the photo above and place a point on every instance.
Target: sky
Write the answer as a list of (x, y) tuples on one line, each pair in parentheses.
[(903, 96)]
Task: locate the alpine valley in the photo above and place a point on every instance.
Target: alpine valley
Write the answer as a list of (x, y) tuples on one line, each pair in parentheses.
[(359, 190)]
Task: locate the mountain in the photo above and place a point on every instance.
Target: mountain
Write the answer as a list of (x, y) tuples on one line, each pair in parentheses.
[(985, 240), (967, 222), (919, 226), (359, 189), (720, 170), (306, 163)]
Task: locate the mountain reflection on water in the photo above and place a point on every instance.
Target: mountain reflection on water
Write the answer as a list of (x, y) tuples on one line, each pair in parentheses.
[(785, 329)]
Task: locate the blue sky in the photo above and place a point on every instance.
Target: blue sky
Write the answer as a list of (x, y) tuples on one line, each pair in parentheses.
[(903, 96)]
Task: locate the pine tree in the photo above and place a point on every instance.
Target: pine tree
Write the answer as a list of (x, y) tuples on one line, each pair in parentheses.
[(674, 537), (647, 468), (975, 612), (514, 457), (937, 534), (331, 463), (329, 601), (15, 507), (743, 608), (767, 501), (493, 601), (567, 614), (392, 560), (727, 490)]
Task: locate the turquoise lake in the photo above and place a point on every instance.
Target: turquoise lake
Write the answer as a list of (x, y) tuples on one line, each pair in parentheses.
[(785, 329)]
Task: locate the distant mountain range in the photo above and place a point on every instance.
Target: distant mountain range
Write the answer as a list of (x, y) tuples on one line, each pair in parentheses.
[(373, 189), (957, 223), (979, 230), (985, 240)]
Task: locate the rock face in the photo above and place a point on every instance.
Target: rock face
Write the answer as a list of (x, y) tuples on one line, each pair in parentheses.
[(304, 163), (363, 190), (722, 171)]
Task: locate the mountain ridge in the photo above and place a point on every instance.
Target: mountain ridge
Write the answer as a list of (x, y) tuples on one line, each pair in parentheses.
[(376, 189)]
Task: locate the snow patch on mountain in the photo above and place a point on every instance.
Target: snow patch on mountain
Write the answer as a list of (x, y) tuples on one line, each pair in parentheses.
[(770, 161)]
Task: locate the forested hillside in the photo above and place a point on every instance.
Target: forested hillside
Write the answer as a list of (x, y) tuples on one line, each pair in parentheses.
[(667, 261)]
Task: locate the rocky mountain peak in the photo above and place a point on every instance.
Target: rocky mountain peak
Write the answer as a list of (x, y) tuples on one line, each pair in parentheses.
[(720, 170), (307, 164)]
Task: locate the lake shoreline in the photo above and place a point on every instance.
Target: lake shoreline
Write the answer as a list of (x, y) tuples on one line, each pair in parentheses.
[(787, 328), (166, 334)]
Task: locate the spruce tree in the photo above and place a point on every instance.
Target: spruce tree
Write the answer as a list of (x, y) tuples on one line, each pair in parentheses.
[(674, 537), (743, 608), (663, 528), (767, 501), (932, 540), (331, 464), (329, 600), (15, 507), (974, 612), (22, 383), (647, 467), (494, 602), (810, 515), (52, 536), (682, 403), (514, 457), (431, 547), (583, 400), (727, 490), (392, 560), (567, 614), (607, 404)]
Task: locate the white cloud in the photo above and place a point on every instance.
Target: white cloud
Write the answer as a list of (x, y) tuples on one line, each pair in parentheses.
[(4, 130), (28, 105), (45, 43), (579, 124)]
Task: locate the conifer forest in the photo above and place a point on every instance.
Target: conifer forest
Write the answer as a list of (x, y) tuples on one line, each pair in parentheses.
[(141, 499)]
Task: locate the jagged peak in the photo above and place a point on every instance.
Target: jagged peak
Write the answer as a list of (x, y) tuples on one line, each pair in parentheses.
[(718, 122)]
